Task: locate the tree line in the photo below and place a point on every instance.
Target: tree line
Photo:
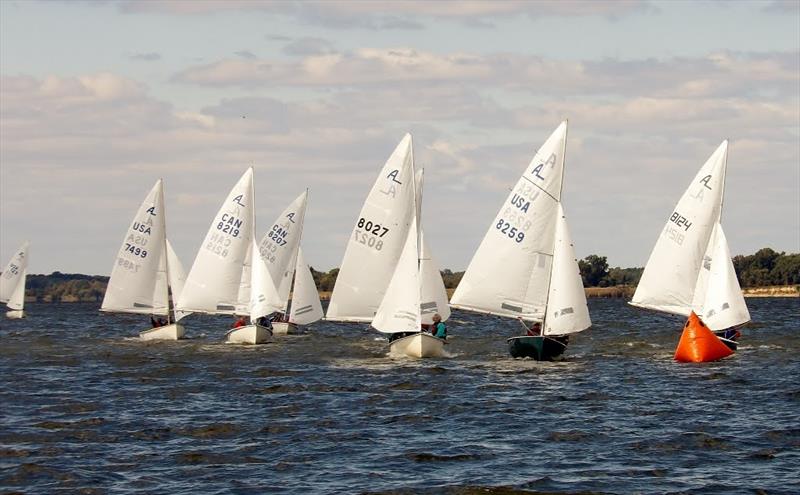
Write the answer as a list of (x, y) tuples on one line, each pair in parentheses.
[(764, 268)]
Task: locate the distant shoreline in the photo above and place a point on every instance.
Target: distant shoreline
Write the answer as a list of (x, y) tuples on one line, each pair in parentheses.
[(619, 291)]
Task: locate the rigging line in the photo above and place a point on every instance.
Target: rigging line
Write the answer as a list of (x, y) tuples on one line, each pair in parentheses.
[(540, 188)]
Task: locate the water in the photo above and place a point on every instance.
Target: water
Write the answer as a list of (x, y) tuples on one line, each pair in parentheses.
[(86, 408)]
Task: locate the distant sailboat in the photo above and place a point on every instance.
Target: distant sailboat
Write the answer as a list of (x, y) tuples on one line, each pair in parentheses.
[(229, 276), (386, 276), (525, 267), (416, 292), (147, 270), (690, 269), (12, 283), (280, 249)]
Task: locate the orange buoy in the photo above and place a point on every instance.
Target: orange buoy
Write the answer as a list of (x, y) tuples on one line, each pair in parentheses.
[(698, 344)]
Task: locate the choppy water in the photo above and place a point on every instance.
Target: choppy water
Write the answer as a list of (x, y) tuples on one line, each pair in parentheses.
[(85, 407)]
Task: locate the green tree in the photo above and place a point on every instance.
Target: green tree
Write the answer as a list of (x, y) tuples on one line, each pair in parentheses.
[(594, 269)]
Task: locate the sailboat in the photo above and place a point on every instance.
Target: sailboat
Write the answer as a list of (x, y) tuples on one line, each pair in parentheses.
[(229, 276), (525, 267), (280, 249), (415, 294), (690, 269), (386, 277), (12, 283), (377, 240), (147, 271)]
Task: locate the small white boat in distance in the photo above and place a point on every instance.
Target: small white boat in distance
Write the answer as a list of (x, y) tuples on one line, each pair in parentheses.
[(12, 283), (229, 276), (280, 248), (147, 271)]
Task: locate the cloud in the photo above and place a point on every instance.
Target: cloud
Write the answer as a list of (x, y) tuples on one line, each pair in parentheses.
[(723, 74), (397, 14), (145, 57), (246, 54), (782, 7), (309, 46)]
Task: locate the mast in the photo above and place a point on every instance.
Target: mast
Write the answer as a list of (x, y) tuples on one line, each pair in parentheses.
[(560, 193)]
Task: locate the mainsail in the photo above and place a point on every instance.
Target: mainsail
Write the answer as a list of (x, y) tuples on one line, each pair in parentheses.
[(510, 272), (138, 282), (12, 281), (215, 277), (377, 240), (306, 306)]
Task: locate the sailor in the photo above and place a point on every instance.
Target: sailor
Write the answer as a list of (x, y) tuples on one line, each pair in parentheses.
[(240, 322), (439, 329)]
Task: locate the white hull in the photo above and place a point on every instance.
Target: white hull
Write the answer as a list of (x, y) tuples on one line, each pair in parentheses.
[(15, 314), (249, 334), (420, 345), (284, 328), (174, 331)]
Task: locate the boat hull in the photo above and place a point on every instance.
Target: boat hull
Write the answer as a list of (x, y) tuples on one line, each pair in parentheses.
[(15, 314), (419, 345), (249, 334), (284, 328), (540, 348), (175, 331)]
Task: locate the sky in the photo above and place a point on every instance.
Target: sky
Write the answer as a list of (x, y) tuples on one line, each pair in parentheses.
[(99, 99)]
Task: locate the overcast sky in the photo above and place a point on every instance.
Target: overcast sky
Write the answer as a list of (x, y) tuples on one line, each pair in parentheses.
[(100, 99)]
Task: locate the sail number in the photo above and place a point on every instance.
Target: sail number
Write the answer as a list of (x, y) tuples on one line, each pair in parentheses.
[(372, 227), (218, 244), (229, 225), (368, 240), (680, 221), (512, 232), (12, 271), (136, 251), (674, 235)]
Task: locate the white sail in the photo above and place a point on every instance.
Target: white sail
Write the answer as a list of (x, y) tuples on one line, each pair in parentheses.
[(134, 285), (433, 295), (306, 306), (399, 310), (279, 245), (176, 276), (212, 285), (12, 281), (567, 311), (245, 281), (264, 297), (508, 276), (671, 275), (377, 240), (723, 304)]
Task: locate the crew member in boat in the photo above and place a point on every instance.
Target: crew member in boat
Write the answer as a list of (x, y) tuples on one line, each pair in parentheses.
[(438, 329), (160, 322), (241, 321), (264, 322), (534, 330)]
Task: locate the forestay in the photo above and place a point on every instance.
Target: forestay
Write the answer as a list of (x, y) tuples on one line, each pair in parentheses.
[(399, 310), (567, 311), (12, 281), (138, 278), (214, 279), (306, 306), (377, 240), (670, 277), (508, 276)]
